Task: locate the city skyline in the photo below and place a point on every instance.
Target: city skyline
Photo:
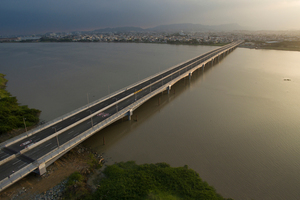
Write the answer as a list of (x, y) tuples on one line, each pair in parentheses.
[(35, 17)]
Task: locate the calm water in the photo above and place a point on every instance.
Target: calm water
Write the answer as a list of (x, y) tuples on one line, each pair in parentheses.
[(236, 123)]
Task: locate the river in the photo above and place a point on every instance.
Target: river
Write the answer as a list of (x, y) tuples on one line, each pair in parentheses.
[(236, 123)]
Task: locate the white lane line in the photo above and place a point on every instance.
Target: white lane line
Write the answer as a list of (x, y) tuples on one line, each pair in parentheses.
[(76, 133), (53, 147), (59, 128), (71, 132), (16, 162), (22, 165), (48, 144), (37, 139), (88, 122), (33, 137)]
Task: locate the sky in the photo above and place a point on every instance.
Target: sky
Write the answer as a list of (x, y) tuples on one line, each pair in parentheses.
[(41, 16)]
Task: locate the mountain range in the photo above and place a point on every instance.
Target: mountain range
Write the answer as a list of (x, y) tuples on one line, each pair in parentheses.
[(186, 27)]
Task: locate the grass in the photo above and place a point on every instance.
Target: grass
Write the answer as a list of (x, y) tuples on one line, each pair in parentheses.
[(76, 187), (3, 92)]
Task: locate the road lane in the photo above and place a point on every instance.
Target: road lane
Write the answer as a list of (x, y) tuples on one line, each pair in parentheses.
[(7, 168), (69, 121)]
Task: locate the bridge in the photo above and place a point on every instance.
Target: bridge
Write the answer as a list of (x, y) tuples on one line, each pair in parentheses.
[(37, 149)]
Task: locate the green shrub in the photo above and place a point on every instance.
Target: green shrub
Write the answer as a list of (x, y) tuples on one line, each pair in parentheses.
[(152, 181), (12, 114)]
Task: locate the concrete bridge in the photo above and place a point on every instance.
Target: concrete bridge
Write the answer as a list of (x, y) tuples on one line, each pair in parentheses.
[(37, 149)]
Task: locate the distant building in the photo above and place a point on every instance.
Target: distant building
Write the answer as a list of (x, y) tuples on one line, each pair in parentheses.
[(182, 33)]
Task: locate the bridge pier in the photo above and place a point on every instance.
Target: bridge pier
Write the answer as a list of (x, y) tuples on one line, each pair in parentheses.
[(42, 168), (190, 75), (129, 113), (169, 88)]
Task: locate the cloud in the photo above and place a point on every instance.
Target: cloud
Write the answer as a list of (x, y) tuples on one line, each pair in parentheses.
[(38, 16)]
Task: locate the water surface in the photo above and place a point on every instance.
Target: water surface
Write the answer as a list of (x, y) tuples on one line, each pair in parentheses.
[(236, 123)]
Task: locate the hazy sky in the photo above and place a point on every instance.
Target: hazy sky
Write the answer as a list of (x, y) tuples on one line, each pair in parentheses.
[(40, 16)]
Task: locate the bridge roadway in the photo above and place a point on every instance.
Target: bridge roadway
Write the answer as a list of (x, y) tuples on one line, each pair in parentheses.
[(27, 150)]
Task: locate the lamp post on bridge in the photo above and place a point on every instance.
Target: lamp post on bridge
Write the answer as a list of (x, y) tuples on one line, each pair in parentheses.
[(91, 118), (56, 137), (25, 126), (116, 104)]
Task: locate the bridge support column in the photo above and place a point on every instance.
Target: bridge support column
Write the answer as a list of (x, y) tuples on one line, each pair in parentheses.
[(169, 88), (212, 62), (190, 75), (42, 169), (129, 113)]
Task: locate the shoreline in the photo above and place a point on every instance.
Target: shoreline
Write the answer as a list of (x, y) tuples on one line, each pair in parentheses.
[(262, 48), (52, 184), (281, 48), (14, 116)]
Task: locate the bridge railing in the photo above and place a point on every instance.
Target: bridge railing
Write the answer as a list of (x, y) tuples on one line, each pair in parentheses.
[(55, 153), (70, 114), (16, 139)]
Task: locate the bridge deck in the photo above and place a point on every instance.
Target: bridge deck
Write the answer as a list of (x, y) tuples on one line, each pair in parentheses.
[(48, 143)]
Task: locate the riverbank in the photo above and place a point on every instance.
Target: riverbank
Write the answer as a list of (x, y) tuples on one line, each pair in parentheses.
[(13, 116), (53, 183), (78, 175), (283, 45)]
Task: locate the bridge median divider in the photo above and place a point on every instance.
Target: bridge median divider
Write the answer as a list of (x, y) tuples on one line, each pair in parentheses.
[(62, 149), (8, 159), (85, 107)]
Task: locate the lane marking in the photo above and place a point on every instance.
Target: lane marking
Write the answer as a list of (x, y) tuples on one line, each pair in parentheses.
[(71, 132), (16, 162), (76, 133), (48, 144), (138, 91), (22, 165), (53, 147), (77, 119)]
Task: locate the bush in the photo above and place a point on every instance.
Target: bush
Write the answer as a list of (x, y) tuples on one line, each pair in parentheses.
[(11, 113), (152, 181)]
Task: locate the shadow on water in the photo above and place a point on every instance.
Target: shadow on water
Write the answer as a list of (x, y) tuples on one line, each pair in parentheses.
[(109, 136)]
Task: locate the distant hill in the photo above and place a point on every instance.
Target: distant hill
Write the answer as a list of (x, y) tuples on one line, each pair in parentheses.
[(120, 29), (187, 27)]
